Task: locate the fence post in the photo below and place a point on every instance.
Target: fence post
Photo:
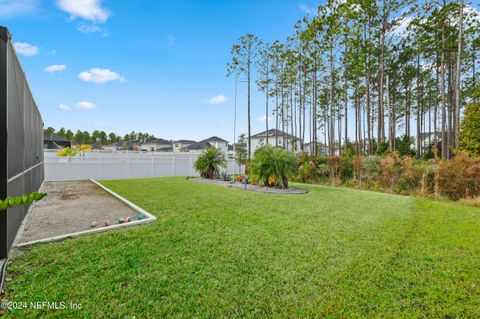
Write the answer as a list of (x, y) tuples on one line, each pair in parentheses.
[(129, 165), (191, 164), (152, 165)]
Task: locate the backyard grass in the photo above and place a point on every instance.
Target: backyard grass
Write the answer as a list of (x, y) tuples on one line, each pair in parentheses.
[(221, 252)]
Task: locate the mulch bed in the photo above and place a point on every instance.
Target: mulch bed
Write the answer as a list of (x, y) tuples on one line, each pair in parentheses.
[(250, 187)]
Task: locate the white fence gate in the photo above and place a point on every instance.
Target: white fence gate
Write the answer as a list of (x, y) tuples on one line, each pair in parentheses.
[(103, 165)]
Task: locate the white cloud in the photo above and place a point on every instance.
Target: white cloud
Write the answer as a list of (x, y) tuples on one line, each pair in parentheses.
[(99, 76), (89, 28), (11, 8), (55, 68), (26, 49), (63, 107), (90, 10), (85, 105), (217, 99)]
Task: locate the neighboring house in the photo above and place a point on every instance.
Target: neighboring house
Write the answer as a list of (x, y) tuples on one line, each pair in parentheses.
[(158, 144), (52, 142), (113, 147), (198, 146), (181, 145), (96, 146), (260, 139), (217, 142), (122, 146), (427, 138)]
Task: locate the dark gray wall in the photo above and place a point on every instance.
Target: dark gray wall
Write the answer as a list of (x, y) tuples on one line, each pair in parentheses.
[(21, 140)]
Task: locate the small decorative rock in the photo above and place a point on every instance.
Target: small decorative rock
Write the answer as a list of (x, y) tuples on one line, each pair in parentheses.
[(140, 217), (94, 223), (120, 221), (129, 219), (107, 222)]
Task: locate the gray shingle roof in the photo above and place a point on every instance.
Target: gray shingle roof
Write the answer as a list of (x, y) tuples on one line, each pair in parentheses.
[(158, 141), (214, 139), (199, 146), (271, 133), (185, 141)]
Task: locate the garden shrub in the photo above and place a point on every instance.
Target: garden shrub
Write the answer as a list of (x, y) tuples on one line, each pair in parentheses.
[(453, 179), (312, 168), (459, 177), (403, 146), (382, 148), (391, 171), (357, 165), (410, 173), (335, 169), (273, 166), (210, 162), (372, 167)]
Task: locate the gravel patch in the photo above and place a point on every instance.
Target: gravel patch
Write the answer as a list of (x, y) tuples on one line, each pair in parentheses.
[(71, 207), (250, 187)]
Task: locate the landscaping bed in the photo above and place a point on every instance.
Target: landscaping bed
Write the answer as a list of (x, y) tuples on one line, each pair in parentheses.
[(251, 187)]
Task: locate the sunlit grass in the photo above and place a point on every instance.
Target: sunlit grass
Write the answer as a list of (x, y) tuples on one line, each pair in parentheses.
[(221, 252)]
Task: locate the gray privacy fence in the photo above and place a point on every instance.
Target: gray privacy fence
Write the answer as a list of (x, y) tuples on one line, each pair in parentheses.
[(21, 140), (104, 165)]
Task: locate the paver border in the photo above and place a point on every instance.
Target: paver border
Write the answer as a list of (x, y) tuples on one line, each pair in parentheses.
[(150, 219)]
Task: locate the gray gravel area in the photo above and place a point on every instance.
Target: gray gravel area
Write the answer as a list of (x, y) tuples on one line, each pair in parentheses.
[(250, 187), (71, 207)]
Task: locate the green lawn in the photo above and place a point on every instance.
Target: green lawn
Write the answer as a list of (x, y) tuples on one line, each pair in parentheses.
[(221, 252)]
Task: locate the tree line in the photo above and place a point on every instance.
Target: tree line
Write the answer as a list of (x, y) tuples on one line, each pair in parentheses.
[(100, 137), (386, 63)]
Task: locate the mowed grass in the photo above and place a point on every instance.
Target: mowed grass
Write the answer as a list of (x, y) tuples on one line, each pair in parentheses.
[(221, 252)]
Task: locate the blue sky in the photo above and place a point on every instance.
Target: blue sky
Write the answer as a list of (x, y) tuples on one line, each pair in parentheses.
[(154, 66)]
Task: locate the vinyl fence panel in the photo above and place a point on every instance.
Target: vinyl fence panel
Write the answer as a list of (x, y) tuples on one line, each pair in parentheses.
[(104, 165)]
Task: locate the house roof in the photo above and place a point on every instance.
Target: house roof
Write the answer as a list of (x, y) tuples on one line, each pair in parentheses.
[(199, 146), (271, 133), (122, 144), (158, 141), (115, 144), (54, 138), (214, 139), (185, 141), (166, 149)]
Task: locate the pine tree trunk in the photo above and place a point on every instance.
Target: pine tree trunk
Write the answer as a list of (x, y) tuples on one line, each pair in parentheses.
[(444, 106), (458, 71)]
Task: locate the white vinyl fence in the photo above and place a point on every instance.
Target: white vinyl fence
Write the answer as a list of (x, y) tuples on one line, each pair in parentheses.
[(103, 165)]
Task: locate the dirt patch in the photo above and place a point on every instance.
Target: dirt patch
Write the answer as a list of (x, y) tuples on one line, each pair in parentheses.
[(72, 207)]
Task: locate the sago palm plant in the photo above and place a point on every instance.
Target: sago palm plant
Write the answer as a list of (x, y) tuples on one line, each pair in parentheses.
[(210, 162), (273, 166)]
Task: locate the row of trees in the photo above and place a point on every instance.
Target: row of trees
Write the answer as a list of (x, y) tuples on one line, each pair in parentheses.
[(386, 63), (101, 137)]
